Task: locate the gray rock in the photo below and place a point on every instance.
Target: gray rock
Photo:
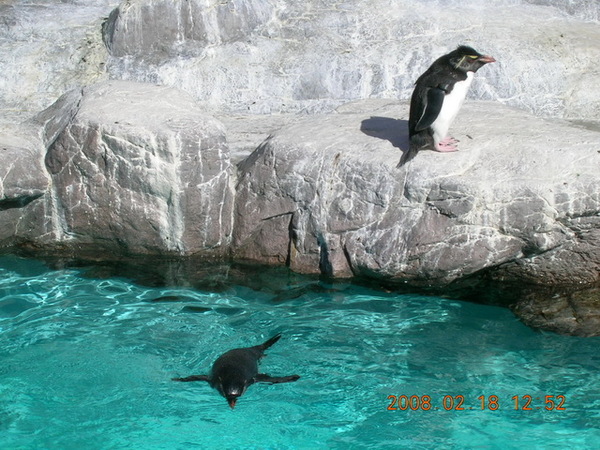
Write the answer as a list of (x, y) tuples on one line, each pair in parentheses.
[(314, 55), (140, 169), (48, 48), (245, 132), (521, 196), (22, 175), (23, 184), (266, 56), (161, 29), (24, 180)]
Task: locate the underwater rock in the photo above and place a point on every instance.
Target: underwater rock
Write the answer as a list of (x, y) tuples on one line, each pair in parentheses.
[(521, 196), (574, 313)]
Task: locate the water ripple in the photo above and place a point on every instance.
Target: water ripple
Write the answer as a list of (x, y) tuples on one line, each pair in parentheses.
[(87, 360)]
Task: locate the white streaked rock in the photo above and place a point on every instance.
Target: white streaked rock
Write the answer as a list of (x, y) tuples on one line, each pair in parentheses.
[(141, 169)]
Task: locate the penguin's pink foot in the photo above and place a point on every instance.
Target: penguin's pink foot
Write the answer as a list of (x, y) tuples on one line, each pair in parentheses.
[(447, 145)]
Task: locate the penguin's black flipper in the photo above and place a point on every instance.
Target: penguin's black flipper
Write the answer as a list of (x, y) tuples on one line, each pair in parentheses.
[(264, 378), (193, 378), (433, 106)]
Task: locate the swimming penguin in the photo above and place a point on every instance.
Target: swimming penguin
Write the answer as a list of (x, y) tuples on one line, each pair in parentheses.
[(235, 370), (439, 93)]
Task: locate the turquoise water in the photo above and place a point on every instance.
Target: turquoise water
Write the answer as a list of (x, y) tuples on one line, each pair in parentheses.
[(86, 363)]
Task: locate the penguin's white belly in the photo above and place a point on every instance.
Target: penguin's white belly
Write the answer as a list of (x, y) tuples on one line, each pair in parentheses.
[(452, 104)]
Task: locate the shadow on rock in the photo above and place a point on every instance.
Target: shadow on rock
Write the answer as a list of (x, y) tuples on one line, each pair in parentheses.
[(386, 128)]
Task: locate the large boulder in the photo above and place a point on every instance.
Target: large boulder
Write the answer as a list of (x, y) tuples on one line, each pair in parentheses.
[(522, 195), (140, 169)]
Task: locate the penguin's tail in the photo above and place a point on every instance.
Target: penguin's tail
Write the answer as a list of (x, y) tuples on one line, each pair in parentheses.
[(407, 156), (270, 342), (416, 144), (417, 141)]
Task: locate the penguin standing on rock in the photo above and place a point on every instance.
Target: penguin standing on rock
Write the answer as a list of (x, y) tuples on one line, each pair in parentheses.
[(235, 370), (438, 96)]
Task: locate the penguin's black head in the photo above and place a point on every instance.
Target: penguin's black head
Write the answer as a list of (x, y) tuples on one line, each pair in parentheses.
[(231, 389), (467, 59)]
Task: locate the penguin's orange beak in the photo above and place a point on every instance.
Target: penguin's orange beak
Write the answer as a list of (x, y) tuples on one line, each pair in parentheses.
[(486, 59), (232, 401)]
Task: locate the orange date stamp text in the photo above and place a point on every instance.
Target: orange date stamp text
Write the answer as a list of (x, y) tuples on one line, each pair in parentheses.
[(483, 403)]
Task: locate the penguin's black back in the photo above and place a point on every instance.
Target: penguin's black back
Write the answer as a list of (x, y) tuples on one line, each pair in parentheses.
[(241, 362)]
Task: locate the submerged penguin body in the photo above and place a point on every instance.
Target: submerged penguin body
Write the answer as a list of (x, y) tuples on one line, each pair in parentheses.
[(235, 370)]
